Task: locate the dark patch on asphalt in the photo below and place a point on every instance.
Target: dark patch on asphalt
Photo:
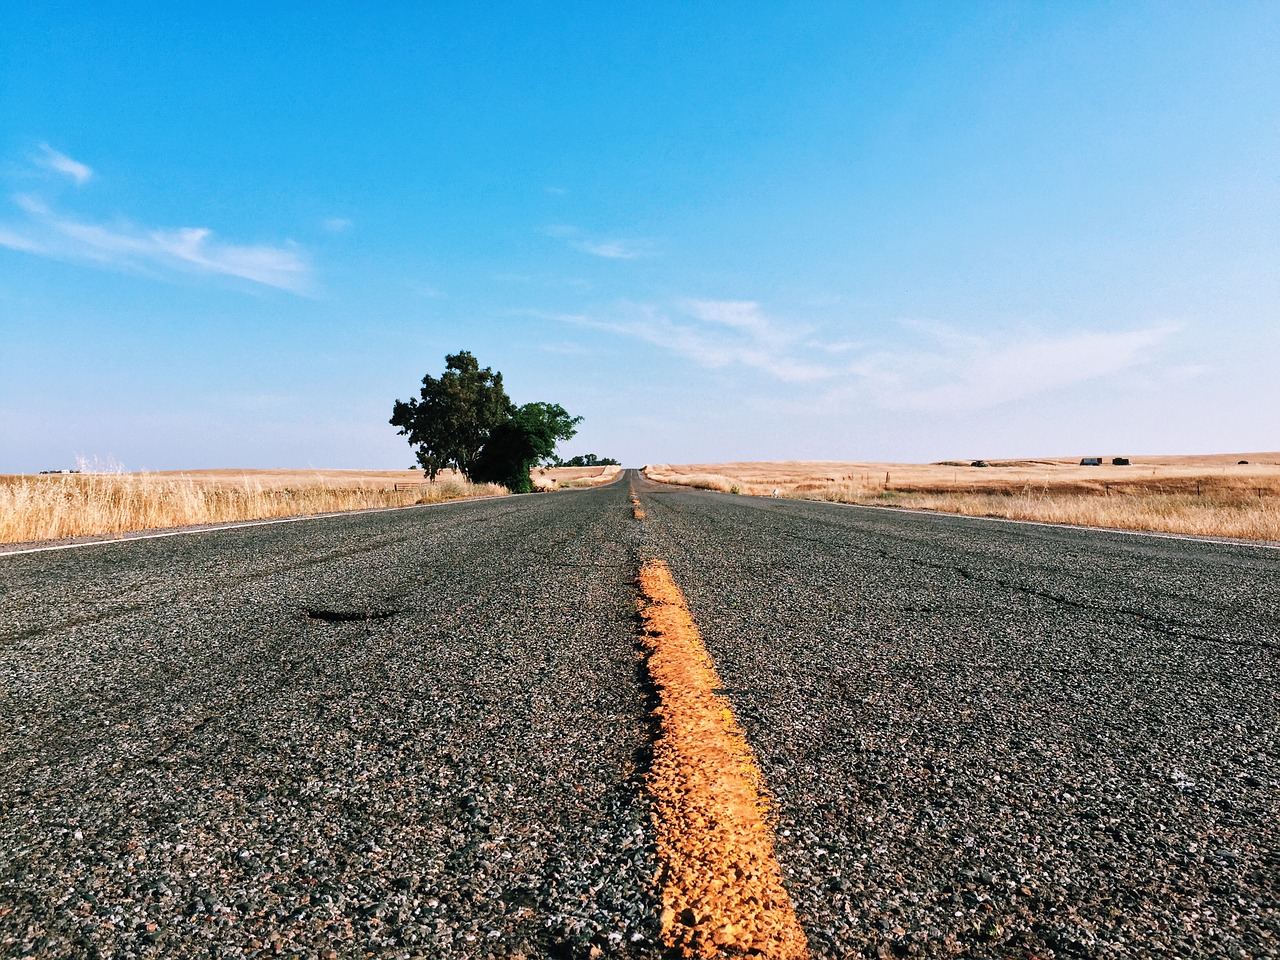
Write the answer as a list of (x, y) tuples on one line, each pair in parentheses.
[(348, 616)]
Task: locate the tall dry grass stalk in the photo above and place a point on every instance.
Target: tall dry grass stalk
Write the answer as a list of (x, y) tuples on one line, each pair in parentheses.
[(49, 508), (1245, 506)]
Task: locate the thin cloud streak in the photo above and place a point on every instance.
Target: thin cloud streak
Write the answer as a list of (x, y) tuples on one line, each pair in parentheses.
[(615, 249), (718, 334), (608, 249), (51, 159), (186, 249), (15, 241), (963, 373), (949, 372)]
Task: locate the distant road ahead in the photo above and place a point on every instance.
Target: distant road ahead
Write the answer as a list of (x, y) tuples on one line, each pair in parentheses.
[(426, 732)]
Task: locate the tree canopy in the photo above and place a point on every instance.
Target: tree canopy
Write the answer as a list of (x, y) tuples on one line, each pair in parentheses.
[(464, 419), (586, 460), (454, 414), (520, 443)]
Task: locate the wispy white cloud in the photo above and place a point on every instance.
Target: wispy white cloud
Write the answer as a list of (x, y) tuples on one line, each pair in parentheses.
[(46, 232), (273, 266), (609, 249), (336, 224), (51, 159), (927, 368), (16, 241), (718, 334), (616, 249), (958, 372)]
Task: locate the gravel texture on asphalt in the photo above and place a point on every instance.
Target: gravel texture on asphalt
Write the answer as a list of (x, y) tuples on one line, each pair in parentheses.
[(998, 740), (425, 733), (418, 733)]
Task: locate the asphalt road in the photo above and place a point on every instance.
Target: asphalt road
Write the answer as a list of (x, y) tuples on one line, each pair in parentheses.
[(425, 732)]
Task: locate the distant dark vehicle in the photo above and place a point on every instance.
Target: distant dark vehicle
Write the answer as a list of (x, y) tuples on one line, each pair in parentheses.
[(1091, 462), (1243, 463), (1120, 462), (979, 463)]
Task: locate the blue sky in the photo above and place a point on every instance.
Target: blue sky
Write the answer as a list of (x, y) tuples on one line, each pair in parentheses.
[(232, 236)]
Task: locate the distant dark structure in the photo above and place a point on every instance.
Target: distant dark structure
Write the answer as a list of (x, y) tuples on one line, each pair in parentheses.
[(1091, 462), (979, 463), (1243, 463), (1120, 462)]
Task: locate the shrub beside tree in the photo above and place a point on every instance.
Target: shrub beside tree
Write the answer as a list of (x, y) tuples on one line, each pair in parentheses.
[(464, 419)]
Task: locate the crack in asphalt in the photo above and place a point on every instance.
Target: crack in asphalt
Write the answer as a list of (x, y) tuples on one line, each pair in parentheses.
[(1155, 622)]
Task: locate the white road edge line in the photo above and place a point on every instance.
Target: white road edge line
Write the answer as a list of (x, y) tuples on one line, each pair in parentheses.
[(1254, 544), (218, 528)]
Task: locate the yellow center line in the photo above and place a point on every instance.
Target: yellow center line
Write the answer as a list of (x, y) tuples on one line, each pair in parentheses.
[(722, 890)]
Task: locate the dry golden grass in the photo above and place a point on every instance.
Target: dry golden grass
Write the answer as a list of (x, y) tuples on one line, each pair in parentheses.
[(1211, 495), (52, 507), (551, 478)]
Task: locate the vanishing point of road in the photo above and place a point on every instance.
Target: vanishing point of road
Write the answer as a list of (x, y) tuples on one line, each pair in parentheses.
[(430, 732)]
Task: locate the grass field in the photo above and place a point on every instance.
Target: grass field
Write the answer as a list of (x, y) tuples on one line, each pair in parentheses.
[(553, 478), (86, 504), (74, 505), (1212, 495)]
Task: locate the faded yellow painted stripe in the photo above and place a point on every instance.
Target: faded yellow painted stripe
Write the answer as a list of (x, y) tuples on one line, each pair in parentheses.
[(722, 890)]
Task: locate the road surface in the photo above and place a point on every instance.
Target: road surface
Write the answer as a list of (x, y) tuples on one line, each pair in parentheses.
[(426, 732)]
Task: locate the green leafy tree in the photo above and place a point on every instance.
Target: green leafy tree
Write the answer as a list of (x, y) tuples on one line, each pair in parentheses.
[(454, 415), (518, 444), (546, 424), (465, 420)]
